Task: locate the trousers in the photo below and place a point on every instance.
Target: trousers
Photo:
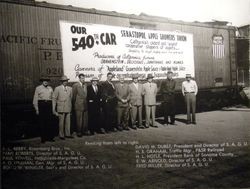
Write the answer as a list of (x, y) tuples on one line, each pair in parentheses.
[(190, 99), (64, 124)]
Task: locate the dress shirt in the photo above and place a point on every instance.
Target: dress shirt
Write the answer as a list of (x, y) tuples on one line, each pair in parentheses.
[(136, 85), (189, 87), (42, 93), (111, 84), (95, 88)]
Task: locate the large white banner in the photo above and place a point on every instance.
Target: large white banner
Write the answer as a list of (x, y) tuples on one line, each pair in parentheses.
[(95, 50)]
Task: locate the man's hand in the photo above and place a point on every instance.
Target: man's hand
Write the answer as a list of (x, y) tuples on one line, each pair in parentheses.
[(55, 113), (124, 101)]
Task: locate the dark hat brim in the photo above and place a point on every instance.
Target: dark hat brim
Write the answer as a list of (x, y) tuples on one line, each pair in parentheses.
[(44, 79), (151, 77), (64, 79)]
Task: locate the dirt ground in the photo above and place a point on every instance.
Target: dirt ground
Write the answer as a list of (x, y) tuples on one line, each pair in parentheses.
[(111, 158)]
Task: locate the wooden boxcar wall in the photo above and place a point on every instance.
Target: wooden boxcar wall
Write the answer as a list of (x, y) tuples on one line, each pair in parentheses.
[(30, 45)]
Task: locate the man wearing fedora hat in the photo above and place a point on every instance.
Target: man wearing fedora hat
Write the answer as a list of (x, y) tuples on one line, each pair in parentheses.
[(122, 94), (62, 98), (94, 100), (42, 102), (135, 102), (167, 90), (189, 91), (150, 91), (79, 102)]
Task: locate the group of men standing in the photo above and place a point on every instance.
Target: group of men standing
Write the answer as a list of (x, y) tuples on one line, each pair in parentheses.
[(107, 107)]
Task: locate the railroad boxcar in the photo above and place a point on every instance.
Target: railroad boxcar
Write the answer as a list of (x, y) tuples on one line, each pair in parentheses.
[(30, 45)]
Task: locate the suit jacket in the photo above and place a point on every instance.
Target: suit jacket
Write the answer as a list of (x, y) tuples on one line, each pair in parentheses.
[(122, 92), (135, 95), (62, 99), (79, 98), (149, 91), (167, 89), (108, 93), (94, 99)]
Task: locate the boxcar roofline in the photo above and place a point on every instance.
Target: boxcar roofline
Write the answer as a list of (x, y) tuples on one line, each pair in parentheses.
[(142, 17)]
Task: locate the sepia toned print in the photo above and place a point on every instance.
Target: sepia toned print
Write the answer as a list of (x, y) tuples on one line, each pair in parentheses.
[(99, 99)]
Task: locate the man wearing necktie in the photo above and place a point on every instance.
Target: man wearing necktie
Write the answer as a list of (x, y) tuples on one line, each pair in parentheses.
[(79, 102), (122, 94), (149, 92), (135, 102), (109, 103), (62, 98), (94, 100)]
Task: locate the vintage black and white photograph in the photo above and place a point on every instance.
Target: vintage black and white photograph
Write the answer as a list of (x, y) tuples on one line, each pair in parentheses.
[(112, 94)]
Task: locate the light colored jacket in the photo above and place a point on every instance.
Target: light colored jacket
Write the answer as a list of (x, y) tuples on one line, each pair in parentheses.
[(62, 99), (79, 98), (149, 91), (135, 95), (122, 92)]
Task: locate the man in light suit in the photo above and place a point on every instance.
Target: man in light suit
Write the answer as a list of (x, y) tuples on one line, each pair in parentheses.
[(62, 98), (150, 91), (79, 102), (122, 94), (135, 96)]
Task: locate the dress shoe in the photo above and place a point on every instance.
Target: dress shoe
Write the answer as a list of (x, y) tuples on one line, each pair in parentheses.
[(172, 123), (194, 122), (146, 126), (119, 128), (126, 128), (62, 138), (141, 127), (155, 126), (114, 130), (188, 122), (79, 135), (102, 131), (87, 133), (134, 127), (69, 137)]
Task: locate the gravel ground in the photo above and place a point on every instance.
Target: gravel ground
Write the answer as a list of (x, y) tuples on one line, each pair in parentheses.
[(110, 159)]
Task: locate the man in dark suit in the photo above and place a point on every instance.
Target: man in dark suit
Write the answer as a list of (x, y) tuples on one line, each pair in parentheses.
[(167, 90), (79, 103), (109, 103), (94, 106)]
